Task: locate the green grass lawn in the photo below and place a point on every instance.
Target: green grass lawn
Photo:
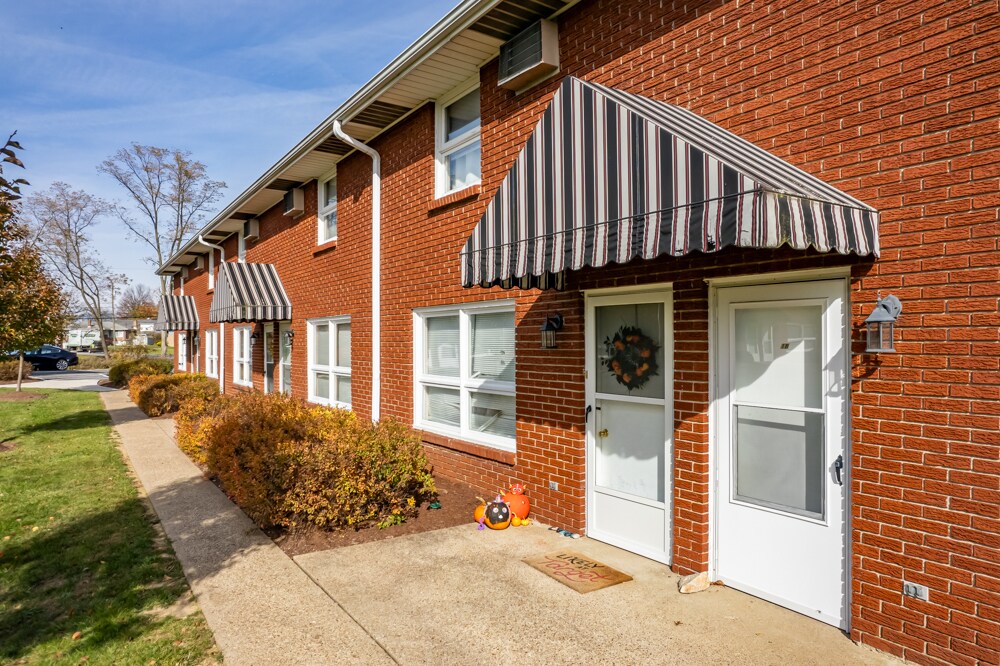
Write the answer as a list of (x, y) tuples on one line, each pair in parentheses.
[(78, 552)]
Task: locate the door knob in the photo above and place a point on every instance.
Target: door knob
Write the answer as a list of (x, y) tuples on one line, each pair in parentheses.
[(603, 433)]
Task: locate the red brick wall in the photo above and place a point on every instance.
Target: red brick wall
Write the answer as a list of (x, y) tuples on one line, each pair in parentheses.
[(893, 102)]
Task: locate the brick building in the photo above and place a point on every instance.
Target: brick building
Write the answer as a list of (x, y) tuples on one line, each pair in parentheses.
[(703, 204)]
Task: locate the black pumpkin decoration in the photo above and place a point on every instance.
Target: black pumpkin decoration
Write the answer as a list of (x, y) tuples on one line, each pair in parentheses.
[(497, 515)]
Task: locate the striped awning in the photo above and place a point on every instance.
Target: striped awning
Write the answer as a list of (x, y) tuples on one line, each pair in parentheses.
[(607, 176), (176, 313), (249, 292)]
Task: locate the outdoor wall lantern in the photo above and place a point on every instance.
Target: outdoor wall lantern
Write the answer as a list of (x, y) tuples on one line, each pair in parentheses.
[(549, 328), (881, 324), (289, 337), (196, 341), (253, 339)]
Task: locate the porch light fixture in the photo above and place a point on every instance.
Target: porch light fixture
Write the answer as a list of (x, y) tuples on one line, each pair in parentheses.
[(549, 328), (195, 340), (253, 339), (881, 324), (289, 337)]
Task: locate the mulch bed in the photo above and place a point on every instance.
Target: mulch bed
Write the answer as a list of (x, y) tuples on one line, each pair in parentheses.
[(458, 501), (20, 396), (7, 445), (13, 382)]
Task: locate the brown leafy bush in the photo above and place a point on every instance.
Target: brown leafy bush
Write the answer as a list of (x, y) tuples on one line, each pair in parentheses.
[(163, 394), (130, 352), (121, 373), (8, 370), (287, 463), (367, 473), (194, 421)]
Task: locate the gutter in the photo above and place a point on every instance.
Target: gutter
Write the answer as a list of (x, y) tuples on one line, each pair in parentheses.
[(338, 130), (453, 23)]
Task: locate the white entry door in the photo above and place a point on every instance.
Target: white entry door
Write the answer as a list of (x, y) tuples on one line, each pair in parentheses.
[(781, 484), (630, 421), (285, 357), (269, 357)]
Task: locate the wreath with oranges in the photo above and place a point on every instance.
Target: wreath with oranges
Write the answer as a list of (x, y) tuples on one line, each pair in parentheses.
[(631, 357)]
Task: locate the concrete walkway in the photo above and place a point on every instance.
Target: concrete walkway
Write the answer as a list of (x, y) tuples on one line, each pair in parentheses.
[(262, 608), (453, 596)]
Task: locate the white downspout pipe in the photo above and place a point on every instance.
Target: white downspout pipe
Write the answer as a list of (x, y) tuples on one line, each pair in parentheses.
[(221, 344), (338, 130)]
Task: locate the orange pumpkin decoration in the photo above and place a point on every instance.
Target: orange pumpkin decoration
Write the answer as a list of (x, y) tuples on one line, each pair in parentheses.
[(478, 514), (518, 502)]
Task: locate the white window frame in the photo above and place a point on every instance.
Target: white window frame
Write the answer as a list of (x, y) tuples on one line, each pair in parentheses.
[(212, 353), (211, 269), (242, 355), (322, 209), (182, 351), (464, 382), (443, 148), (241, 245), (333, 370)]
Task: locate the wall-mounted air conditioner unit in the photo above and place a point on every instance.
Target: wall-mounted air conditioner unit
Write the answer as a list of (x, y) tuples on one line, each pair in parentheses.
[(295, 202), (184, 273), (199, 262), (251, 228), (529, 56)]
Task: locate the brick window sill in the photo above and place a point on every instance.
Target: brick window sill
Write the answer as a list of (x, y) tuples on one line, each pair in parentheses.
[(471, 192), (462, 446), (324, 248)]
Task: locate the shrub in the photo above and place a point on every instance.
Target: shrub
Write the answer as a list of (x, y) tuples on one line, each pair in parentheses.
[(163, 394), (288, 463), (8, 370), (121, 373), (368, 473), (247, 449), (195, 421), (130, 352)]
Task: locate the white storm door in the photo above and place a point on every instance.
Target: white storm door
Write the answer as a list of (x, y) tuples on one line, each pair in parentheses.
[(781, 497), (285, 357), (630, 421), (269, 357)]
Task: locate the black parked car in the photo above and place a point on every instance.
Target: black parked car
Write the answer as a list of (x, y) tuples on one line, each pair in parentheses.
[(49, 357)]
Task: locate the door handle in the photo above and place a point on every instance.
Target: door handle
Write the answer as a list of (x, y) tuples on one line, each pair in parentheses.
[(586, 415), (838, 466), (603, 433)]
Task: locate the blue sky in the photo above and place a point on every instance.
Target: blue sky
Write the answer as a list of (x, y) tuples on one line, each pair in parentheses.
[(237, 83)]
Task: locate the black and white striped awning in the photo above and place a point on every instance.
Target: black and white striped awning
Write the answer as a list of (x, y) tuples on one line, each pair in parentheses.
[(249, 292), (608, 176), (176, 313)]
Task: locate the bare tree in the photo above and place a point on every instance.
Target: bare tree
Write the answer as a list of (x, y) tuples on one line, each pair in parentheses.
[(170, 195), (63, 219), (137, 302)]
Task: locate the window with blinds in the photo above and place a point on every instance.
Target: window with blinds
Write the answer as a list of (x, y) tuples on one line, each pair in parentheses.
[(465, 379), (330, 361)]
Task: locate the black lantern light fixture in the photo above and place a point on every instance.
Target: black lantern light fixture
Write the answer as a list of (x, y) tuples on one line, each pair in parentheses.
[(253, 339), (289, 337), (548, 330), (196, 340), (881, 324)]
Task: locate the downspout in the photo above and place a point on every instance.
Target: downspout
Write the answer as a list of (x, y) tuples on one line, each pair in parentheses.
[(221, 344), (338, 130)]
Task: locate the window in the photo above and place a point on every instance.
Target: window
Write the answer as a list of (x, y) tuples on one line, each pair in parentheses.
[(326, 220), (241, 356), (330, 361), (465, 373), (211, 269), (458, 159), (212, 353), (182, 351)]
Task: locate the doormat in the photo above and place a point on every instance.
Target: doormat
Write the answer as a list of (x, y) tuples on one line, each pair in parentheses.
[(576, 571)]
